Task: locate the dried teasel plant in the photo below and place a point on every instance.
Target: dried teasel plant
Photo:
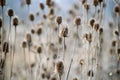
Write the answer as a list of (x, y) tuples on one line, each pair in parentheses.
[(41, 5)]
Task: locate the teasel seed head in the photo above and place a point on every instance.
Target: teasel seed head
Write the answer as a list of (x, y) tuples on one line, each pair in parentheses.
[(64, 32), (32, 31), (59, 20), (44, 16), (96, 26), (113, 43), (31, 17), (75, 78), (81, 62), (118, 71), (83, 1), (10, 12), (28, 38), (39, 49), (15, 21), (118, 50), (90, 73), (53, 78), (91, 22), (77, 21), (100, 31), (42, 6), (60, 67), (95, 2), (87, 6), (0, 22), (100, 1), (116, 33), (117, 9), (89, 37), (39, 31), (2, 3), (5, 47), (28, 2), (48, 3), (51, 12), (43, 75), (24, 44)]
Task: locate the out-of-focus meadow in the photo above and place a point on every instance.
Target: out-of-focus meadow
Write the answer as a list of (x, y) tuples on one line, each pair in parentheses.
[(59, 40)]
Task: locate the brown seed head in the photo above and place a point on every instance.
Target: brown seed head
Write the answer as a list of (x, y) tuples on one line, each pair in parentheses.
[(118, 50), (100, 1), (28, 38), (90, 73), (96, 26), (39, 49), (48, 3), (59, 20), (0, 22), (117, 9), (64, 32), (28, 2), (87, 6), (91, 22), (100, 31), (32, 31), (51, 12), (89, 37), (83, 1), (31, 17), (42, 6), (116, 33), (2, 3), (95, 2), (60, 67), (113, 43), (39, 31), (5, 47), (77, 21), (44, 16), (75, 79), (10, 12), (15, 21), (24, 44)]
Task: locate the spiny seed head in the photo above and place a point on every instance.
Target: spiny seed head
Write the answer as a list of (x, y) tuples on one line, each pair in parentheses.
[(113, 43), (39, 49), (43, 75), (83, 1), (24, 44), (100, 1), (81, 62), (51, 12), (10, 12), (64, 32), (48, 2), (77, 21), (39, 31), (86, 6), (2, 3), (116, 33), (44, 16), (89, 37), (28, 2), (60, 67), (53, 78), (91, 22), (59, 20), (117, 9), (32, 31), (100, 31), (31, 17), (0, 22), (90, 73), (15, 21), (28, 38), (118, 72), (42, 6), (5, 47), (96, 26), (118, 50), (95, 2), (75, 79)]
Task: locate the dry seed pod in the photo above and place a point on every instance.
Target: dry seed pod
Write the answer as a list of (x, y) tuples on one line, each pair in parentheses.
[(60, 67), (77, 21), (116, 33), (43, 75), (0, 22), (28, 38), (116, 9), (64, 32), (24, 44), (75, 79), (51, 12), (44, 16), (83, 1), (100, 1), (100, 31), (118, 50), (15, 21), (48, 3), (39, 31), (86, 6), (81, 62), (39, 49), (95, 2), (96, 26), (31, 17), (5, 47), (118, 72), (91, 22), (89, 37), (90, 73), (32, 31), (53, 78), (113, 43), (2, 3), (42, 6), (10, 12), (59, 20), (28, 2)]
